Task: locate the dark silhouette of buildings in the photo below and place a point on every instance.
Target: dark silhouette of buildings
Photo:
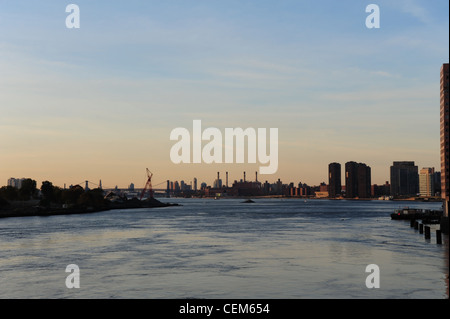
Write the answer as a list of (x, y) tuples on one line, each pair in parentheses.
[(357, 180), (350, 179), (381, 190), (364, 181), (404, 179), (445, 137), (334, 180)]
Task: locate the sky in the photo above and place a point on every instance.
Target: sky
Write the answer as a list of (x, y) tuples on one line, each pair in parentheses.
[(99, 102)]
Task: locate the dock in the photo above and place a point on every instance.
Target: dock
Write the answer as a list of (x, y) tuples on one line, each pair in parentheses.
[(427, 216)]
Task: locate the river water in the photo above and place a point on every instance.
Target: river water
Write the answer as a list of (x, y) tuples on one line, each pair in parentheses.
[(270, 249)]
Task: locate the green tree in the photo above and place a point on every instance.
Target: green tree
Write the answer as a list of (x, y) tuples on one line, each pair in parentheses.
[(47, 190), (92, 198), (9, 193), (70, 196), (3, 202), (28, 189), (57, 194)]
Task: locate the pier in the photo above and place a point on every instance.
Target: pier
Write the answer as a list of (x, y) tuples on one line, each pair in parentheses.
[(421, 220)]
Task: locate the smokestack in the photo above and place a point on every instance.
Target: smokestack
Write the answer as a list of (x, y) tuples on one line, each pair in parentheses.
[(244, 176), (217, 176), (227, 179), (256, 174)]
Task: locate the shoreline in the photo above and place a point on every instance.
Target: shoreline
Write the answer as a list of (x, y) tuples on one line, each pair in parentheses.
[(37, 211), (30, 209), (409, 199)]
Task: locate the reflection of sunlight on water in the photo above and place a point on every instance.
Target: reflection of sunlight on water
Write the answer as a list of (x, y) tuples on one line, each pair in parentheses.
[(90, 239), (223, 249)]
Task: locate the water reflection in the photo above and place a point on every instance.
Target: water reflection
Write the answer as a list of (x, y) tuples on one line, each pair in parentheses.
[(223, 249)]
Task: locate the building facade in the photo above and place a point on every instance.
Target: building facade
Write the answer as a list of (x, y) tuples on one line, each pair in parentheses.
[(334, 180), (444, 136), (15, 182), (426, 182), (357, 180), (404, 179), (364, 181)]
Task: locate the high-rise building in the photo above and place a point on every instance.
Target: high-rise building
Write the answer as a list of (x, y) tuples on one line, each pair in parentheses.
[(364, 181), (357, 180), (426, 182), (334, 180), (15, 182), (445, 137), (381, 190), (195, 183), (437, 181), (404, 179), (351, 186)]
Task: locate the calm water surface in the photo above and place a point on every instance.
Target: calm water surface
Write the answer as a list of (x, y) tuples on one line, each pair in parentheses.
[(273, 248)]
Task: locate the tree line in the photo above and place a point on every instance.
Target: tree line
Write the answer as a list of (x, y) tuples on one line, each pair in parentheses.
[(51, 195)]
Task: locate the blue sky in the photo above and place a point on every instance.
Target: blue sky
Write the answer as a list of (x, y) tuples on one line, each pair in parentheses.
[(99, 102)]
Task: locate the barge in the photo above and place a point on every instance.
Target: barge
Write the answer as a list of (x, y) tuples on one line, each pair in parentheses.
[(428, 216)]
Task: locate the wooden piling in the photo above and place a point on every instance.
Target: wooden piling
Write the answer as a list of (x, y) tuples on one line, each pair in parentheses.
[(420, 228), (416, 225), (411, 223), (438, 237), (427, 232)]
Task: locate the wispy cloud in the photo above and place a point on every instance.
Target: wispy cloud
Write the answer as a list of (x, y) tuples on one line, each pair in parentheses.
[(416, 10)]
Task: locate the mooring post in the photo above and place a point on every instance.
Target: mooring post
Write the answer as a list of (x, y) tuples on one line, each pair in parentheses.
[(438, 237), (427, 232), (416, 224), (420, 228), (412, 222)]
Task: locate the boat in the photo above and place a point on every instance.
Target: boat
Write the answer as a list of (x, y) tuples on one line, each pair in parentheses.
[(426, 215)]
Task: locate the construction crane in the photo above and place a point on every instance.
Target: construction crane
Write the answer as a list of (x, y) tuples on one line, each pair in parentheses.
[(148, 185)]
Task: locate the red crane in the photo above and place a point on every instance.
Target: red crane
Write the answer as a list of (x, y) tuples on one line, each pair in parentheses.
[(148, 185)]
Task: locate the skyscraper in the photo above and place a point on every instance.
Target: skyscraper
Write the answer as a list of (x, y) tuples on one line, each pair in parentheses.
[(404, 179), (426, 182), (334, 180), (445, 137), (351, 187), (357, 180), (364, 181)]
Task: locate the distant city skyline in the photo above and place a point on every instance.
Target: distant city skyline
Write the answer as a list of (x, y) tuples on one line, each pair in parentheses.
[(99, 102)]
